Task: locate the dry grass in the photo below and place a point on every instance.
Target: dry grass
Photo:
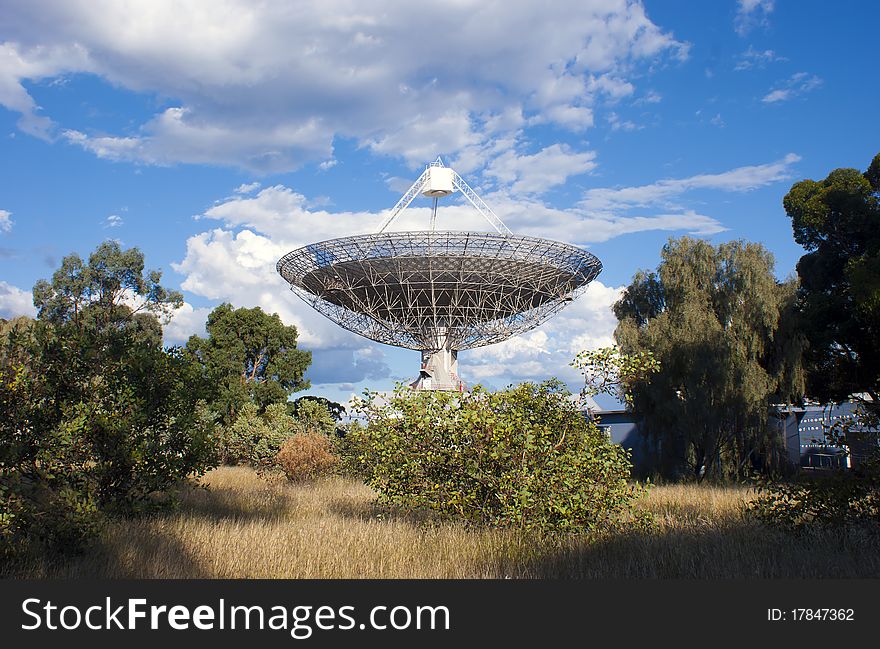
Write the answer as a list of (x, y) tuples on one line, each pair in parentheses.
[(241, 526)]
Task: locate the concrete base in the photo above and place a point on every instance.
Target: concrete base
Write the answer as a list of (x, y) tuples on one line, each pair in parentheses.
[(439, 371)]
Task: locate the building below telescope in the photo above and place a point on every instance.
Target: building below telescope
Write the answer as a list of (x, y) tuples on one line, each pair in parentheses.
[(799, 432)]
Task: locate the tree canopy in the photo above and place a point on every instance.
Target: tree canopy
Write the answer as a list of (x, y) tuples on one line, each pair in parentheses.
[(720, 327), (249, 356), (109, 293), (98, 418), (837, 220)]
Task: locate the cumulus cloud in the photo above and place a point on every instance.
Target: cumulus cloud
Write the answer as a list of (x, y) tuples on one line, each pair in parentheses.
[(185, 322), (113, 221), (15, 302), (587, 323), (5, 221), (551, 166), (269, 86), (247, 188), (796, 85)]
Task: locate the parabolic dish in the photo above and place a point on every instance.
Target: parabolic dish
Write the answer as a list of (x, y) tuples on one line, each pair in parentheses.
[(431, 289)]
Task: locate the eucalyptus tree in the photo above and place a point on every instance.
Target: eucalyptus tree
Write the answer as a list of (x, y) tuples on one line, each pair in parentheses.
[(108, 295), (249, 356), (721, 328), (837, 220), (98, 418)]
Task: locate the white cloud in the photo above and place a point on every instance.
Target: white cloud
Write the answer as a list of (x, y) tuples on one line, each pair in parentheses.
[(747, 178), (5, 221), (15, 302), (240, 268), (247, 188), (796, 85), (551, 166), (776, 95), (587, 323), (752, 13), (185, 322), (613, 88), (618, 124), (113, 221), (268, 86), (753, 58)]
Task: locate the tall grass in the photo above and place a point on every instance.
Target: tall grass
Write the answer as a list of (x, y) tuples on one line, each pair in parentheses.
[(241, 526)]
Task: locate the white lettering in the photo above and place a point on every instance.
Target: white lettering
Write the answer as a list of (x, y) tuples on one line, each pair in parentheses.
[(24, 607)]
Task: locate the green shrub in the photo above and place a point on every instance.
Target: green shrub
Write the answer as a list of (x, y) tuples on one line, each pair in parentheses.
[(306, 456), (524, 458), (312, 415), (253, 439), (350, 448), (841, 497), (92, 425)]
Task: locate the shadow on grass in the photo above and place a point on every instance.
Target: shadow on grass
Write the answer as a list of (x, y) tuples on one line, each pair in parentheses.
[(734, 551), (125, 549), (359, 510), (222, 504), (146, 547)]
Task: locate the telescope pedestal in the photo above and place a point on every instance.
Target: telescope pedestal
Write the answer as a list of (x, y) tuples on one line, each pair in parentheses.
[(439, 371)]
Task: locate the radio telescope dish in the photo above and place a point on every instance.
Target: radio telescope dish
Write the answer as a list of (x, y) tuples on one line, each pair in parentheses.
[(439, 292)]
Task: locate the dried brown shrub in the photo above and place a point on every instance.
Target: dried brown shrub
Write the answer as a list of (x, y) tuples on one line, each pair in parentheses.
[(306, 456)]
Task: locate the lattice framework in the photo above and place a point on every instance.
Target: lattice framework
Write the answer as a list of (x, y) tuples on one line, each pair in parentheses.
[(430, 290)]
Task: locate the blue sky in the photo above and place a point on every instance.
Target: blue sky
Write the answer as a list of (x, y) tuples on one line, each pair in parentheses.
[(217, 136)]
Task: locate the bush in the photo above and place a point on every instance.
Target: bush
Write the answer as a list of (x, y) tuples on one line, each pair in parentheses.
[(524, 458), (96, 418), (313, 415), (92, 425), (842, 497), (253, 439), (306, 456), (351, 451)]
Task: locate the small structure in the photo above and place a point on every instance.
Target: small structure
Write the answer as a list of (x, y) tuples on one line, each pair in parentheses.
[(804, 429), (439, 292), (801, 431)]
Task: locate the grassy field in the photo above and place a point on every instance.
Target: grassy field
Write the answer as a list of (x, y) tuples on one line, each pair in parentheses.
[(241, 526)]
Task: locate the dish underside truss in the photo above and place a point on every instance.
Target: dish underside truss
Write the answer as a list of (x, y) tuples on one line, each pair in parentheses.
[(431, 290)]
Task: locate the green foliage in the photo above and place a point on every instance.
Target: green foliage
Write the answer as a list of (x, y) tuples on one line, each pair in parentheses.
[(608, 371), (313, 415), (111, 292), (98, 418), (837, 220), (336, 410), (352, 451), (841, 497), (249, 356), (254, 439), (723, 332), (524, 458)]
